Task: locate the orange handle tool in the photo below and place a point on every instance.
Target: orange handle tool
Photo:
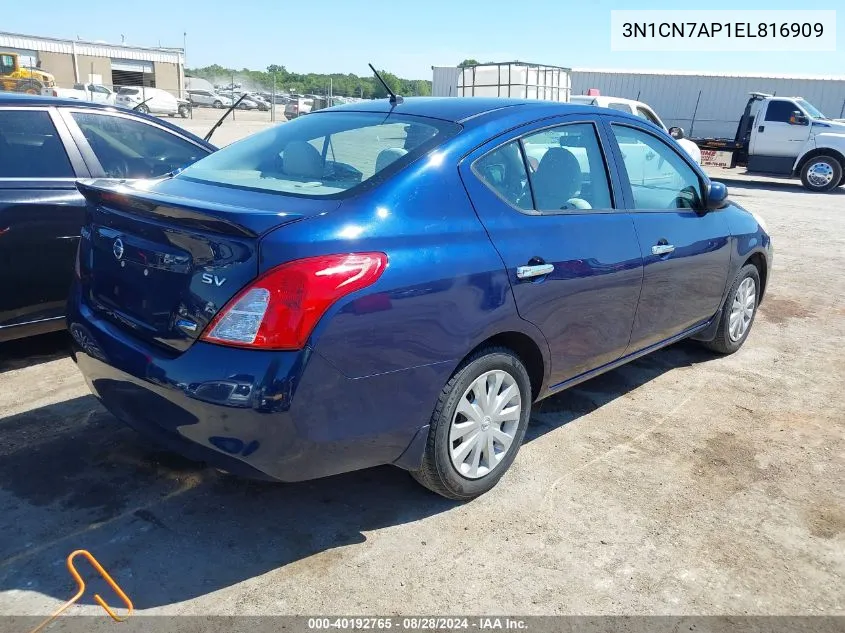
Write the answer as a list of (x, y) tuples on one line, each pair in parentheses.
[(81, 590)]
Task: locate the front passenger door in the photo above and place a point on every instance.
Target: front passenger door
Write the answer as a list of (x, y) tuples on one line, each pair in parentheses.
[(686, 251)]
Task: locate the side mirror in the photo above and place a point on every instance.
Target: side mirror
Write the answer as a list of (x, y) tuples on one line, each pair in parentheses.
[(717, 193), (796, 118), (677, 133)]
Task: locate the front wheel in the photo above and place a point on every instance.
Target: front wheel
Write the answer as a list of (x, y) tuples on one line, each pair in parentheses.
[(738, 313), (183, 111), (477, 426), (142, 109), (217, 104), (821, 173)]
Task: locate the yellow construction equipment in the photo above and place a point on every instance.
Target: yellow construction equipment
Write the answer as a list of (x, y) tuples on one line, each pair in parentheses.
[(15, 77)]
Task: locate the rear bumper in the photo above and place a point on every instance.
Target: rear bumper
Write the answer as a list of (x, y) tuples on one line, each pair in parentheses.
[(287, 416)]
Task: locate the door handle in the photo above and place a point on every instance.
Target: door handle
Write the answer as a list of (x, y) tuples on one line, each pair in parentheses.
[(662, 249), (538, 270), (761, 128)]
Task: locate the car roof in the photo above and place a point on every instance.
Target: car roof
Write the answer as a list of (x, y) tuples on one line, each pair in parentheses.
[(475, 110), (18, 99)]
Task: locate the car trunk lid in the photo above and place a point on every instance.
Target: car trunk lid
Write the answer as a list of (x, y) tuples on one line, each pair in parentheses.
[(161, 258)]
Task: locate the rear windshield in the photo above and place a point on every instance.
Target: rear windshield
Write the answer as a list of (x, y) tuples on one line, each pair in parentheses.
[(330, 154)]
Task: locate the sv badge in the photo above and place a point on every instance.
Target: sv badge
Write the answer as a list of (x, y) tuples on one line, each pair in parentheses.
[(208, 278)]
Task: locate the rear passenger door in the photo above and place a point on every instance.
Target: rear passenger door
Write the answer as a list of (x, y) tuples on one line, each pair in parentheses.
[(549, 203), (685, 249), (41, 214)]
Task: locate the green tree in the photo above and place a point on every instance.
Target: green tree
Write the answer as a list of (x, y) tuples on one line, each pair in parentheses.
[(393, 82), (468, 62)]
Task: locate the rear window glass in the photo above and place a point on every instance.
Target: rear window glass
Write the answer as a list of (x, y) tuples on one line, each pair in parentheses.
[(330, 154)]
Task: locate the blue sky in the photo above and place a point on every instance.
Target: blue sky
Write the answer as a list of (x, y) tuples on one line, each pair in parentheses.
[(402, 36)]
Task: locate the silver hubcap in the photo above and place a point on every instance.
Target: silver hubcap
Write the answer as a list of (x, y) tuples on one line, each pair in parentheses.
[(485, 423), (742, 310), (820, 174)]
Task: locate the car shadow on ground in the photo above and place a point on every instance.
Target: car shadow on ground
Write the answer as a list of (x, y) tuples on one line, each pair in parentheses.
[(34, 350), (169, 530)]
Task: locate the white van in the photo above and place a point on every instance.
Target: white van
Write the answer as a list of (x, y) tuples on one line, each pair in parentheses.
[(152, 101)]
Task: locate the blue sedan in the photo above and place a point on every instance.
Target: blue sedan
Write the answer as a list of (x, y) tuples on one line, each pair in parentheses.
[(386, 283)]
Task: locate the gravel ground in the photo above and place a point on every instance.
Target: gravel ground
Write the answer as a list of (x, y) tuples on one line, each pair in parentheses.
[(679, 484)]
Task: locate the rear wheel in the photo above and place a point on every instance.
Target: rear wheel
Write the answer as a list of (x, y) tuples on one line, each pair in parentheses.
[(477, 426), (218, 104), (821, 173), (142, 109), (183, 111), (738, 312)]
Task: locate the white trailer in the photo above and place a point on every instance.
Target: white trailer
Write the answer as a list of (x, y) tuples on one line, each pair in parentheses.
[(517, 80)]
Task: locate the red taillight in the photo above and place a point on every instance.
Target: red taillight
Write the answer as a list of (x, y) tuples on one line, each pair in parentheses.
[(280, 309)]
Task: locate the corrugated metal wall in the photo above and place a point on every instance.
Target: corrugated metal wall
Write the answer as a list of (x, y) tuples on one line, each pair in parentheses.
[(94, 49), (723, 98)]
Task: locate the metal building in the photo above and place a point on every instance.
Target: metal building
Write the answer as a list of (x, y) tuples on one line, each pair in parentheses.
[(709, 104), (77, 61)]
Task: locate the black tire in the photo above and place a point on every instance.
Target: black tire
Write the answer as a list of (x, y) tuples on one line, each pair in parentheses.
[(842, 180), (437, 473), (183, 111), (142, 109), (832, 163), (217, 104), (723, 343)]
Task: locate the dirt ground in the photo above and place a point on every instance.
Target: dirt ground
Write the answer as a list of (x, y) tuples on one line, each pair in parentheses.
[(680, 484)]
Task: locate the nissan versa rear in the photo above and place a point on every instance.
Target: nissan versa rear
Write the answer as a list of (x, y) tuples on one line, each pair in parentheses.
[(397, 283)]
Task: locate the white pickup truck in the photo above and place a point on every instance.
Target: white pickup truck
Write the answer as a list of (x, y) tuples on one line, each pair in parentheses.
[(90, 92), (783, 136)]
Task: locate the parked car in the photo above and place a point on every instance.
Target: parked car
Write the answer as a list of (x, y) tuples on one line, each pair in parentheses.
[(261, 103), (209, 98), (152, 101), (91, 92), (246, 103), (297, 106), (47, 143), (642, 110), (393, 283)]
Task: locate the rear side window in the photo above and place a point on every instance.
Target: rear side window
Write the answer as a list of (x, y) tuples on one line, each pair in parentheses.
[(127, 148), (128, 91), (30, 146), (648, 116), (552, 171), (330, 154), (503, 171), (622, 107), (567, 169)]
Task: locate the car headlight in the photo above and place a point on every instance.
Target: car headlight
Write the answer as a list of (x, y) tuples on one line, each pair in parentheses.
[(760, 220)]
